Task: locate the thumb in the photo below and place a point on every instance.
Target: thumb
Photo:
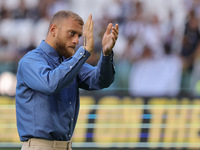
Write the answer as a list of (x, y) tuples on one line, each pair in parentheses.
[(109, 27)]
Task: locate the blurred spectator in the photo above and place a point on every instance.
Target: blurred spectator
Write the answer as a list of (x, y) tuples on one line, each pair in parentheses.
[(191, 40), (7, 56), (152, 34), (168, 31), (194, 82), (155, 76), (21, 12), (4, 12), (135, 21), (193, 5)]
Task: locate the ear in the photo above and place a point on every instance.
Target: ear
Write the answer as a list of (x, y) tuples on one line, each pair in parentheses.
[(53, 30)]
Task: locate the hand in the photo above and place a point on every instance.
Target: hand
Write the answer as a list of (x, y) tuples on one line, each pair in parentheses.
[(88, 35), (109, 39)]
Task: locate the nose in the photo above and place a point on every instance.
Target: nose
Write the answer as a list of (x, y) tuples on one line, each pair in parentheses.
[(76, 40)]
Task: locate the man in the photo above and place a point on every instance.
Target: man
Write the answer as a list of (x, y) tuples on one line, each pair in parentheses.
[(48, 79)]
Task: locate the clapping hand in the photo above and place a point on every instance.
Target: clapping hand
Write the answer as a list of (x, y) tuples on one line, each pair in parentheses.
[(109, 39), (88, 34)]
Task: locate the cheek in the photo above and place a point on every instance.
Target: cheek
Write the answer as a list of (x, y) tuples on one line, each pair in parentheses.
[(61, 40), (66, 44)]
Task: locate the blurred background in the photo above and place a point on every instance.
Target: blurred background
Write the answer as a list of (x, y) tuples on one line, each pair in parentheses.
[(153, 102)]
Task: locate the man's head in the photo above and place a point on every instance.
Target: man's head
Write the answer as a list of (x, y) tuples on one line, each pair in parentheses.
[(64, 32)]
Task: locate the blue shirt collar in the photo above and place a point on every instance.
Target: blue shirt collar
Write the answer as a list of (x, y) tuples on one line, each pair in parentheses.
[(50, 51)]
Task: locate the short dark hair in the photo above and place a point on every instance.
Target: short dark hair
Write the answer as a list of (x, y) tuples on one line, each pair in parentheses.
[(63, 14)]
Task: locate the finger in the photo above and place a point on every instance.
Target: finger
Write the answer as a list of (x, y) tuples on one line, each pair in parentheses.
[(88, 22), (117, 27), (115, 30), (115, 34), (114, 37), (91, 25), (109, 27)]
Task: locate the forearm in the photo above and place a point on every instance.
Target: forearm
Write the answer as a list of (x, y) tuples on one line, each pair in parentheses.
[(107, 70), (101, 76), (43, 78)]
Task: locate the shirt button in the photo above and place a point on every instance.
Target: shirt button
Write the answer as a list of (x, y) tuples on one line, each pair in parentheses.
[(70, 67), (81, 53), (70, 103), (72, 119), (69, 135)]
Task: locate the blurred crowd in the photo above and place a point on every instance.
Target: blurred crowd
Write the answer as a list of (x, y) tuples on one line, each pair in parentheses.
[(157, 53)]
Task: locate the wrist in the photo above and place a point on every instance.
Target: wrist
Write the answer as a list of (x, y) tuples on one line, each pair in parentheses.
[(87, 49), (107, 53)]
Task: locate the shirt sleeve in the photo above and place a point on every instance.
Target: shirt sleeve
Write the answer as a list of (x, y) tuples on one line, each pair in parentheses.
[(98, 77), (39, 76)]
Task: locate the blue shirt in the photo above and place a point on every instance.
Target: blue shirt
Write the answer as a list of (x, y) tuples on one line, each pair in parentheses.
[(47, 92)]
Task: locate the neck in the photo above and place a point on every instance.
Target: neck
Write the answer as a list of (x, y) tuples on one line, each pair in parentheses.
[(49, 41)]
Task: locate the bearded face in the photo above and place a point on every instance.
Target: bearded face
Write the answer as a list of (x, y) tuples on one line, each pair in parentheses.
[(68, 33), (63, 49)]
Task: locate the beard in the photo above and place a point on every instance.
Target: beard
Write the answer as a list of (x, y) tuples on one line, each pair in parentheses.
[(62, 49)]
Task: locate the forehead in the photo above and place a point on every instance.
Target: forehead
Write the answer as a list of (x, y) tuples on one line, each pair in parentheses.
[(71, 24)]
